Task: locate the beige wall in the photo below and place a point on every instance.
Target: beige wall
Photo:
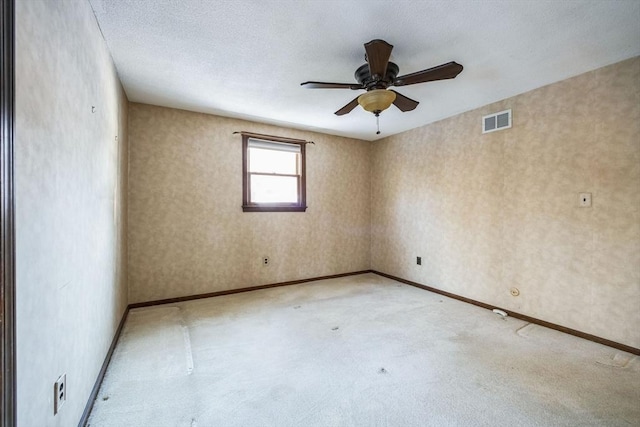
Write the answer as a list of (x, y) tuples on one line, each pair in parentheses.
[(70, 205), (187, 232), (495, 211)]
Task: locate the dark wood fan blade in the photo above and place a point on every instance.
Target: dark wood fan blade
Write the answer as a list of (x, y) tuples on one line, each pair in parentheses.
[(322, 85), (403, 103), (442, 72), (378, 53), (347, 108)]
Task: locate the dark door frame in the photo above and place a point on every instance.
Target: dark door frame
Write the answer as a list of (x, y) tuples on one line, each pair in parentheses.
[(7, 218)]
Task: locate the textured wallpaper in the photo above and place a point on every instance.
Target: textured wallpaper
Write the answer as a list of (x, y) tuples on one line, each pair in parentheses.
[(187, 232), (500, 210), (71, 169)]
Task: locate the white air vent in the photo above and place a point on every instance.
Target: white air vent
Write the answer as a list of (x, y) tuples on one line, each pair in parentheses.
[(496, 121)]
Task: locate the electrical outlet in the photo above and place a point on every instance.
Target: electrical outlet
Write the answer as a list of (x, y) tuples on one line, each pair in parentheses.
[(419, 260), (265, 261), (60, 393)]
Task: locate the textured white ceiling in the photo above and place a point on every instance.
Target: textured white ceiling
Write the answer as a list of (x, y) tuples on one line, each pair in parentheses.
[(246, 59)]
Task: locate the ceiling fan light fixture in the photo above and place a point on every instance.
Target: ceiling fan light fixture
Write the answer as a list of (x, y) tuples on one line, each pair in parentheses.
[(377, 100)]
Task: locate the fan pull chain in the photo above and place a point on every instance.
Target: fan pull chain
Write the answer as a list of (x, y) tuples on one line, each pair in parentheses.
[(378, 122)]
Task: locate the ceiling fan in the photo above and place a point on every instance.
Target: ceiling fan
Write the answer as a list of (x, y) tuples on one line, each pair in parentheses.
[(378, 74)]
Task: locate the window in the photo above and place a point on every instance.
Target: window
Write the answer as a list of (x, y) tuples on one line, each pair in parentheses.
[(273, 174)]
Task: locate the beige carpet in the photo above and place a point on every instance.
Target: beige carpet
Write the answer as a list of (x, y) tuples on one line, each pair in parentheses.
[(357, 351)]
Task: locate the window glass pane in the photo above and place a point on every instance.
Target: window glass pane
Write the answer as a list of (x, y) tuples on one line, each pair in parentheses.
[(274, 189), (273, 145), (272, 161)]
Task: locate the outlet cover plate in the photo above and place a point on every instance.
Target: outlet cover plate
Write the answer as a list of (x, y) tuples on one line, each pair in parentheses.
[(584, 200), (60, 393)]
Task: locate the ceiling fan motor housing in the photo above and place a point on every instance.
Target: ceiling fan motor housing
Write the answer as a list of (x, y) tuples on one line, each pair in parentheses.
[(364, 77)]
